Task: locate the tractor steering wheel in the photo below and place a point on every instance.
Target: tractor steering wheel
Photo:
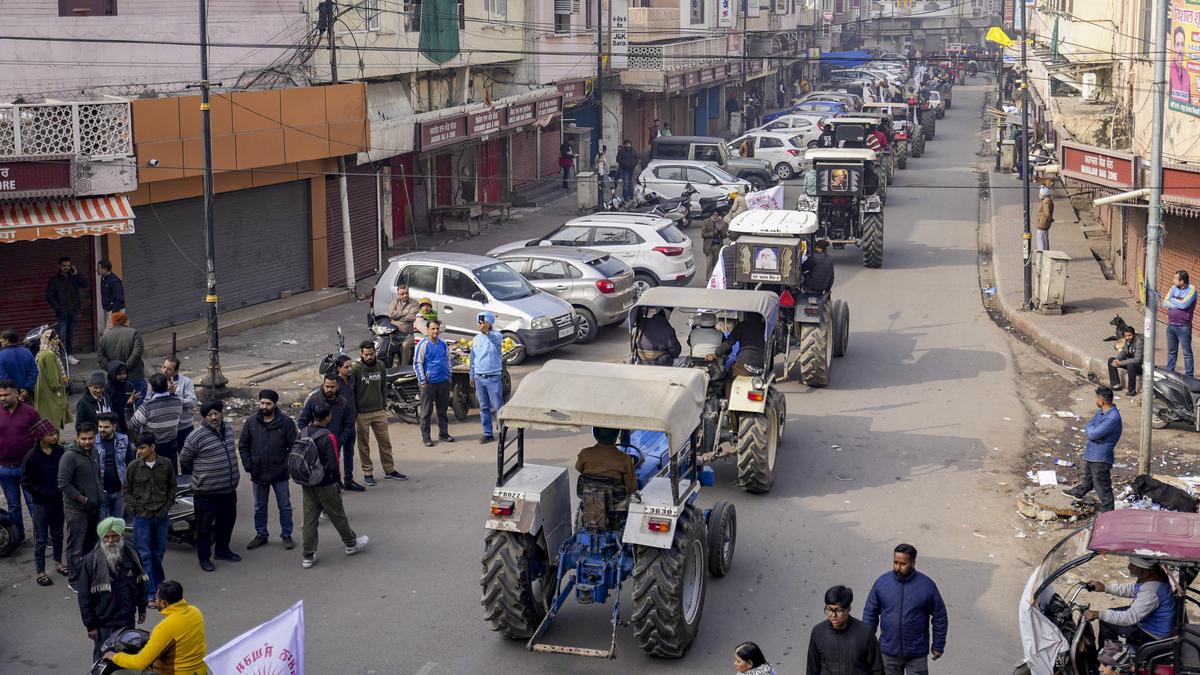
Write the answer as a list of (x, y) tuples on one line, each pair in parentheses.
[(641, 457)]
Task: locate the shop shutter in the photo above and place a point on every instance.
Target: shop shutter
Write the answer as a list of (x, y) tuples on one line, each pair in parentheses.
[(363, 196), (524, 158), (262, 250), (490, 172), (551, 140), (28, 266)]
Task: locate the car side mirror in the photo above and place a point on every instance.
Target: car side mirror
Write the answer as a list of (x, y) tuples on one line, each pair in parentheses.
[(713, 181), (479, 297)]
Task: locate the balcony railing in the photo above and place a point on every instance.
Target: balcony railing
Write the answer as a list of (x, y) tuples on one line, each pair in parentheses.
[(678, 55), (651, 24), (99, 130)]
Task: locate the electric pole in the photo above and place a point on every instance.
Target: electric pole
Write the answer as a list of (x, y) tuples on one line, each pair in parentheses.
[(328, 15), (598, 87), (1023, 159), (1158, 97), (214, 379)]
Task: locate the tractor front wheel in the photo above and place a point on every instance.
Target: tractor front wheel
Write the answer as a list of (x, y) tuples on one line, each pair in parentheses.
[(514, 600), (722, 538), (757, 445), (668, 589), (872, 240), (816, 352)]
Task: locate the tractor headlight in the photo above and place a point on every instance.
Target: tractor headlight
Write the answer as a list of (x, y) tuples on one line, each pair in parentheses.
[(757, 383)]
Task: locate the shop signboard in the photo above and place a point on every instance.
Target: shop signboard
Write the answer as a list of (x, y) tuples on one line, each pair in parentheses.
[(1099, 166), (22, 180), (443, 132)]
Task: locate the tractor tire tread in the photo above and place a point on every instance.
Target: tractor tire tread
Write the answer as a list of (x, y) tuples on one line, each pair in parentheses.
[(509, 606), (872, 240), (658, 623), (755, 475)]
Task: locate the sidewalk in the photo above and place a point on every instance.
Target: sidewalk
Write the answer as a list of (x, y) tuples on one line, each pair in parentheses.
[(1077, 335)]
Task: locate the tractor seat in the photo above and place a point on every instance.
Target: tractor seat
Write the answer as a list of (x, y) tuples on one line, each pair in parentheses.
[(1161, 652), (603, 503)]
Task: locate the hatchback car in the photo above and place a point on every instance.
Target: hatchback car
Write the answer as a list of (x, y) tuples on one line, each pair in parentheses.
[(784, 149), (656, 251), (598, 285), (462, 285), (669, 177)]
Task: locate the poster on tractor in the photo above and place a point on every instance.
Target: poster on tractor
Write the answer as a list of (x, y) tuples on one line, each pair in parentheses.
[(1183, 54)]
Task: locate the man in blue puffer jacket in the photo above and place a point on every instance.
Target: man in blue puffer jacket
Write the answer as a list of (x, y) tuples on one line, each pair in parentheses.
[(904, 603)]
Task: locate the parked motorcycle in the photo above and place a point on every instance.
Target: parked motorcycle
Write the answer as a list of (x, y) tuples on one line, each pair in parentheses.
[(125, 641), (330, 359), (387, 339), (8, 534), (1176, 399), (403, 394), (181, 518)]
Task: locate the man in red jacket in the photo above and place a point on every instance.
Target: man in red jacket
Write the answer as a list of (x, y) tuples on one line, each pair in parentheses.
[(17, 420)]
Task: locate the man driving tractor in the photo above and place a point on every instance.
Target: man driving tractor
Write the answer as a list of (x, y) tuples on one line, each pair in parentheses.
[(657, 344), (748, 335), (606, 460), (1151, 616)]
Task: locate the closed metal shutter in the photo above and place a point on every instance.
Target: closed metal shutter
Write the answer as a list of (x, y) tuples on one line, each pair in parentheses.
[(363, 197), (524, 158), (551, 140), (28, 266), (262, 249)]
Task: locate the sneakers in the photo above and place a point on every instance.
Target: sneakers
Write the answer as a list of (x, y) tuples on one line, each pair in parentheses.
[(447, 438), (72, 360), (486, 439), (308, 562), (1069, 493), (288, 543), (395, 475), (359, 544), (428, 443), (369, 480), (353, 487), (256, 542)]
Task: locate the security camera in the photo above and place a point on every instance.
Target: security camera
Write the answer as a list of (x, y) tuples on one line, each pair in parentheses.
[(153, 162)]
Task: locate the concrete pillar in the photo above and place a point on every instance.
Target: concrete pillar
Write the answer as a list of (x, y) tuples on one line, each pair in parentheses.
[(613, 113)]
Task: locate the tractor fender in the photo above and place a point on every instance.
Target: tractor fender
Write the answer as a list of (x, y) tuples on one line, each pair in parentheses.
[(739, 395), (655, 502), (541, 497)]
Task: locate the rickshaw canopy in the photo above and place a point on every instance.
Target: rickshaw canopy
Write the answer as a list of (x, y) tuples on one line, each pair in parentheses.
[(579, 394), (1168, 536), (693, 300)]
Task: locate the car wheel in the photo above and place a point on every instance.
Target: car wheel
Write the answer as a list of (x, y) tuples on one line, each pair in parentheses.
[(586, 329), (642, 282), (516, 356), (756, 183), (784, 171)]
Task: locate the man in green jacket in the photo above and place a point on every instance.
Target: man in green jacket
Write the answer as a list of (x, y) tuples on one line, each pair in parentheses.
[(79, 480), (123, 343), (149, 493), (370, 398)]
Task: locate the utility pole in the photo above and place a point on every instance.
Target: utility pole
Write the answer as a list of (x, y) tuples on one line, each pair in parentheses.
[(598, 87), (328, 15), (1027, 234), (214, 379), (744, 7), (1158, 97)]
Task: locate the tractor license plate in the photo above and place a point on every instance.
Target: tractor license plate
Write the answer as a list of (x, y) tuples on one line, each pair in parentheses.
[(758, 276), (515, 495)]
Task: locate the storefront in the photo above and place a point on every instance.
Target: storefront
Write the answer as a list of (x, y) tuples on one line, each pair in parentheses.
[(1096, 172)]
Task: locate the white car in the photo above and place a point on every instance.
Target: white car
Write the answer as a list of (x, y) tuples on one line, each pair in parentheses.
[(938, 105), (807, 125), (783, 149), (657, 251), (668, 177)]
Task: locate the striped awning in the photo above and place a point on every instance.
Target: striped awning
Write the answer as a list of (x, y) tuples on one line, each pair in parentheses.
[(56, 219)]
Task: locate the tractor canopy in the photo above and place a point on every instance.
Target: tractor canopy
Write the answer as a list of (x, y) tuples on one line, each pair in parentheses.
[(715, 300), (775, 221), (579, 394)]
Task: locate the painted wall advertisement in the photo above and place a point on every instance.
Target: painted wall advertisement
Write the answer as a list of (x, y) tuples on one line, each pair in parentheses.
[(1183, 52)]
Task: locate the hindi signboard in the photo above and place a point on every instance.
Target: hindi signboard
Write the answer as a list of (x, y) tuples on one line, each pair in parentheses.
[(1099, 166), (21, 180), (443, 132)]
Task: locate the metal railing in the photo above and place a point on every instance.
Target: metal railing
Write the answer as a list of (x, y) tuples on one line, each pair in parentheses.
[(99, 130)]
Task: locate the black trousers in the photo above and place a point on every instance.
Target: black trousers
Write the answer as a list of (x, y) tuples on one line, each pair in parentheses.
[(435, 395), (215, 517), (169, 451), (1134, 635), (1098, 476), (1133, 371)]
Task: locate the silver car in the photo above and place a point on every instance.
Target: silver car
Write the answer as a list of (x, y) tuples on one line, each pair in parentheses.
[(598, 285)]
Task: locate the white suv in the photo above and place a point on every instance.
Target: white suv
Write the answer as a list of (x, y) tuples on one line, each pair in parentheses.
[(783, 149), (653, 247)]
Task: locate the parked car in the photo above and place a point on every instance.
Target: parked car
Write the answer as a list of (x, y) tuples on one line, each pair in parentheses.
[(852, 100), (807, 125), (656, 250), (599, 286), (714, 151), (669, 177), (825, 107), (461, 285), (784, 149)]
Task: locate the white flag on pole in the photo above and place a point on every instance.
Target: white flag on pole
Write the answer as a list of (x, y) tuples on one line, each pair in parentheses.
[(771, 198), (717, 279), (275, 648)]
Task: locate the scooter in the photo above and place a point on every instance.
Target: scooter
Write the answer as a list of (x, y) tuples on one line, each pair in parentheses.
[(1176, 399), (8, 534), (125, 641), (387, 339)]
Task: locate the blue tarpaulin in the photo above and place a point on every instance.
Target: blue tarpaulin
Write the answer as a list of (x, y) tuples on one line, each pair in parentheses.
[(845, 59)]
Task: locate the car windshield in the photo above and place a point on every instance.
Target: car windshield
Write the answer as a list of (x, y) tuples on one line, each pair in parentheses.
[(503, 283), (671, 235), (608, 266), (720, 174)]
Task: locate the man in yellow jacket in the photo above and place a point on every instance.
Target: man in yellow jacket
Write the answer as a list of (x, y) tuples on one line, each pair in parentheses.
[(176, 645)]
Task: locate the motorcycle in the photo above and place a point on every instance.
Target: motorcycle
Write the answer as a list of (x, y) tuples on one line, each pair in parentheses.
[(8, 534), (1176, 399), (181, 517), (327, 362), (124, 641), (387, 339)]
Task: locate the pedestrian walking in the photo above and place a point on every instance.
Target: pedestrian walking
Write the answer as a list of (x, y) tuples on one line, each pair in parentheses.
[(1128, 359), (341, 421), (39, 479), (161, 416), (602, 168), (432, 366), (264, 444), (112, 585), (712, 233), (1180, 304), (842, 645), (79, 482), (904, 604), (627, 161), (182, 386), (18, 421), (121, 394), (123, 343), (150, 492), (93, 401), (176, 645), (370, 401), (210, 456), (780, 95), (749, 659), (403, 311), (566, 160), (325, 497), (1045, 218), (487, 373), (50, 392), (62, 294), (1103, 433), (17, 364), (112, 291), (116, 453)]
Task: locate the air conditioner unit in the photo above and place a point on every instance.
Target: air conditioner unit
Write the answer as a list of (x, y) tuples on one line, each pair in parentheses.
[(1089, 89)]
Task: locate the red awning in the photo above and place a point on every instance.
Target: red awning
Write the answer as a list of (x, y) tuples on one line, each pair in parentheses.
[(86, 216)]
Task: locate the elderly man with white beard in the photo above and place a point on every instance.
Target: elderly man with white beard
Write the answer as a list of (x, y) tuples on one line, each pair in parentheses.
[(111, 584)]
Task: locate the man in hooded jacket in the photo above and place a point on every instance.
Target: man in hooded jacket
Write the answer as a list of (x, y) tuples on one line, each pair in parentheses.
[(122, 395)]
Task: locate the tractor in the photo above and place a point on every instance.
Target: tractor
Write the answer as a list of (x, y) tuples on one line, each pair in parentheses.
[(537, 553), (843, 189), (907, 138)]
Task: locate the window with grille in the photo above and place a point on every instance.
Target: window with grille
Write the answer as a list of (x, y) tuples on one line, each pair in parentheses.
[(697, 11), (563, 11), (412, 18), (496, 9), (87, 7)]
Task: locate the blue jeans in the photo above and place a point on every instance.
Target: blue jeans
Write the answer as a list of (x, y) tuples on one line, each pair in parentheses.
[(150, 538), (112, 504), (489, 389), (1177, 337), (66, 331), (262, 495), (627, 183), (10, 482)]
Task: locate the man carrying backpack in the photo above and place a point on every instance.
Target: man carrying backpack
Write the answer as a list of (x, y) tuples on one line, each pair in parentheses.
[(313, 464)]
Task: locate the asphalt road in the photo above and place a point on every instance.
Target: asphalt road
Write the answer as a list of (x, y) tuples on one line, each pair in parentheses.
[(906, 445)]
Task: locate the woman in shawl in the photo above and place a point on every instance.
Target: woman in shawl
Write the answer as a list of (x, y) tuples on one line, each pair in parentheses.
[(50, 392)]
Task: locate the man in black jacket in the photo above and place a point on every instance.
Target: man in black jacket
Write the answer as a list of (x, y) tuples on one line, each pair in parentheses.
[(325, 497), (264, 445), (112, 291), (111, 585), (843, 645), (341, 421), (95, 401), (627, 161), (62, 294), (818, 269), (657, 343), (1129, 359)]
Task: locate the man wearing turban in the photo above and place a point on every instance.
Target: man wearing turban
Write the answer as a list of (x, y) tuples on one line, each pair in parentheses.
[(111, 585)]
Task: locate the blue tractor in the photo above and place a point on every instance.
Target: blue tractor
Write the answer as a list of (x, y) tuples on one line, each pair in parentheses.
[(538, 553)]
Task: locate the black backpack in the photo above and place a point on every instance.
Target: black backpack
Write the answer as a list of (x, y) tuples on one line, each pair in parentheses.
[(304, 461)]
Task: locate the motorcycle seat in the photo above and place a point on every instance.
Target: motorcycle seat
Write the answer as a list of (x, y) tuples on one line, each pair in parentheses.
[(398, 372), (1192, 383)]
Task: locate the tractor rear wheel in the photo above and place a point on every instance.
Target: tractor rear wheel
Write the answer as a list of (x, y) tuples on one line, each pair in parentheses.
[(919, 146), (776, 400), (902, 160), (841, 327), (668, 589), (872, 240), (757, 446), (512, 604), (722, 538), (816, 352)]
